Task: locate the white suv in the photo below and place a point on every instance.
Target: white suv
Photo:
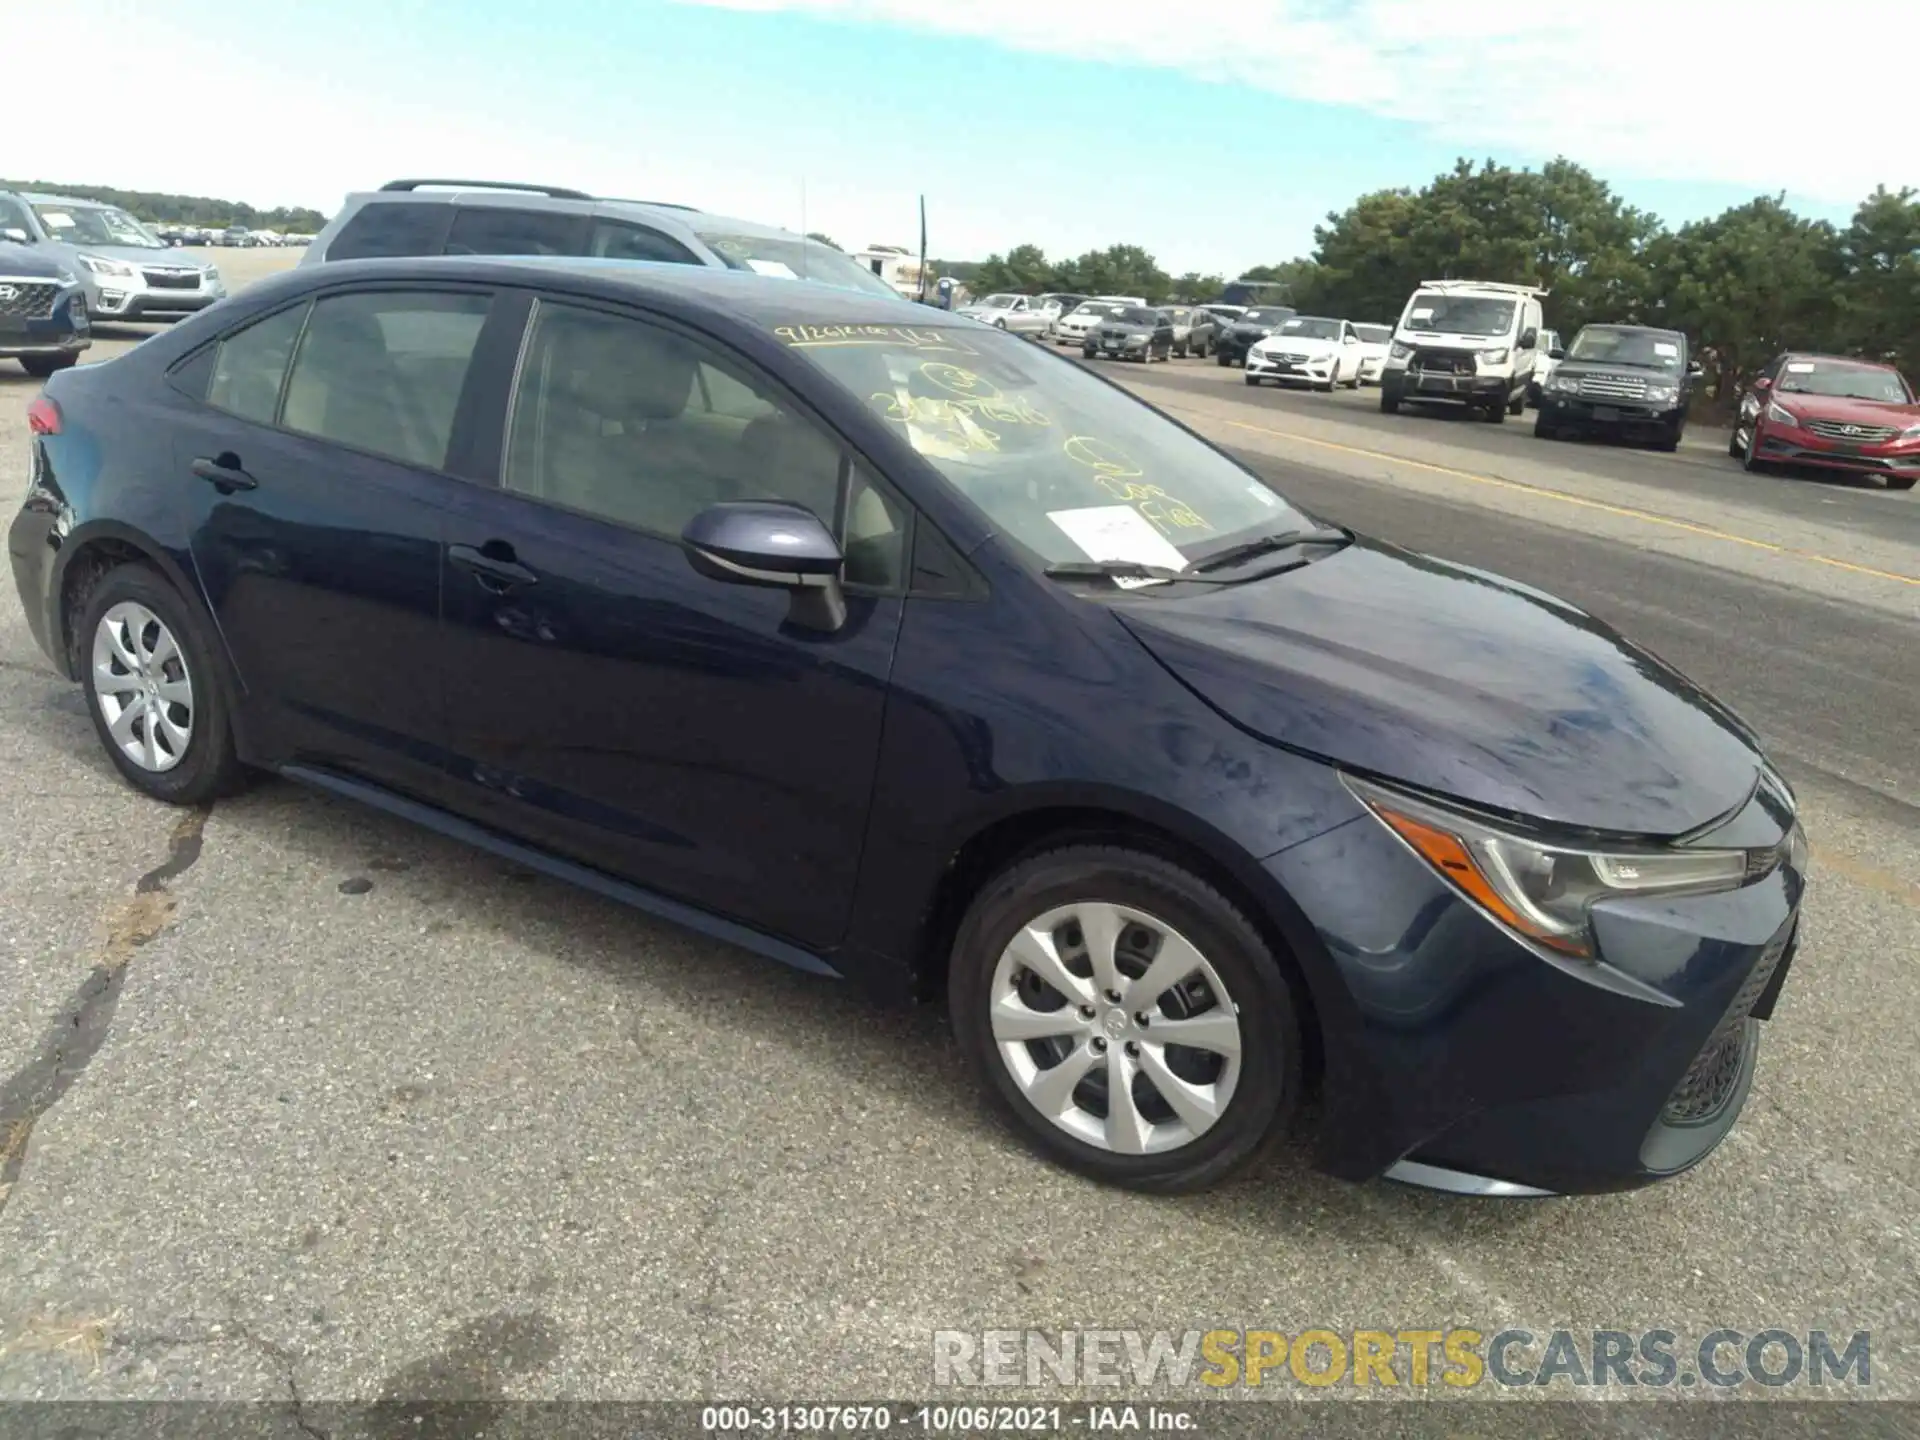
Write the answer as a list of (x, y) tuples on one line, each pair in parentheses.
[(1465, 342)]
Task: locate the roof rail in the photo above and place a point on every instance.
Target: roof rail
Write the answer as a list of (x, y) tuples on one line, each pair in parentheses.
[(654, 204), (553, 191)]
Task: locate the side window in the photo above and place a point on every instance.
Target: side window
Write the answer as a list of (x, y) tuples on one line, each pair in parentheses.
[(383, 370), (635, 424), (619, 240), (249, 365), (502, 230), (391, 227), (13, 216)]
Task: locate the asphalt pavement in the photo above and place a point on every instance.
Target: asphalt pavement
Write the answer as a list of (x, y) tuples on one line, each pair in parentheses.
[(299, 1101)]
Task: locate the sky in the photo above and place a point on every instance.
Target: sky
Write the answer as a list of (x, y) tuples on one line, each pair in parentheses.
[(1215, 133)]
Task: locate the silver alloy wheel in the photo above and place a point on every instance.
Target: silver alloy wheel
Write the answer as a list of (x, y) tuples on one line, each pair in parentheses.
[(1115, 1028), (141, 681)]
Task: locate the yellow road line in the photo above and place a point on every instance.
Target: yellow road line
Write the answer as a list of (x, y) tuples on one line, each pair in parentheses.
[(1626, 511)]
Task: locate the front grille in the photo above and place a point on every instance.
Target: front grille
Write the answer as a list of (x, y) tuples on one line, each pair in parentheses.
[(1613, 387), (1853, 434), (1442, 362), (27, 299), (1716, 1069), (173, 279)]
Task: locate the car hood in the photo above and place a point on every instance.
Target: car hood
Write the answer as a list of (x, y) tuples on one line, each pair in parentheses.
[(19, 263), (1460, 683), (1574, 369), (1846, 409), (1244, 330), (1300, 344), (167, 257), (1427, 340)]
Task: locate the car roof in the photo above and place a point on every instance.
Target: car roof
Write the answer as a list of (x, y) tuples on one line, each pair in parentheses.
[(37, 197), (1841, 360), (657, 211), (762, 300)]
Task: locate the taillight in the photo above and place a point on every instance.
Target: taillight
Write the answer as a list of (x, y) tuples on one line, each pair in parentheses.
[(43, 417)]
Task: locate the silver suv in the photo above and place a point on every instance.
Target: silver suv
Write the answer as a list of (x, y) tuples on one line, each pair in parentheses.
[(125, 270), (477, 217)]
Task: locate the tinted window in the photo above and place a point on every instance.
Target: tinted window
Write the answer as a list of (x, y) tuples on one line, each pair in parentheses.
[(617, 240), (641, 426), (383, 371), (249, 366), (386, 227), (501, 230)]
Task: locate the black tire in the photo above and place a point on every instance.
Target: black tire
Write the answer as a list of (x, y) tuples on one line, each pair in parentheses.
[(1749, 460), (1734, 448), (41, 366), (1517, 404), (1901, 482), (1668, 444), (1496, 413), (1253, 380), (209, 767), (1086, 354), (1543, 431), (1220, 358), (1389, 404), (1268, 1087)]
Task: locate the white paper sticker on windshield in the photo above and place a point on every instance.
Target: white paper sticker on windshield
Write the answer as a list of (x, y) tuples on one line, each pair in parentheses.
[(772, 267), (1665, 349), (57, 219), (1800, 367), (1119, 532), (1420, 315), (1262, 494)]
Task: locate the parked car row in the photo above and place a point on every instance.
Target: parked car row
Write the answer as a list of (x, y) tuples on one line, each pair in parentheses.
[(232, 235), (123, 268)]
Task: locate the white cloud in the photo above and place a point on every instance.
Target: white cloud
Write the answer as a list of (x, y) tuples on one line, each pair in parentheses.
[(1810, 100)]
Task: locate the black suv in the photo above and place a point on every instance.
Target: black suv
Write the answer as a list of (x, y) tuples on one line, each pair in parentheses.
[(1248, 330), (1629, 381)]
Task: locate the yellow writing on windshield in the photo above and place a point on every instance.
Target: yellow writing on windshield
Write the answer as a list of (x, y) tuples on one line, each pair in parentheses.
[(1115, 472), (804, 337)]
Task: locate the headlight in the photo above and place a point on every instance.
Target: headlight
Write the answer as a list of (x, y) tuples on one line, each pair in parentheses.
[(1494, 357), (107, 267), (1397, 351), (1542, 892), (1912, 432), (1663, 394), (1568, 383), (1780, 415)]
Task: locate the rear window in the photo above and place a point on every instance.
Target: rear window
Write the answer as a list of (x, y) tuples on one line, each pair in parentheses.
[(387, 227), (503, 230)]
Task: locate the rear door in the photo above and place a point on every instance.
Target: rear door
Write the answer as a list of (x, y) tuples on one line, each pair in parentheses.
[(613, 705), (322, 458)]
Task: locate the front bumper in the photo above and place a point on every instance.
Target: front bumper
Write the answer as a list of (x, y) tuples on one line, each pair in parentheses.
[(1466, 1061), (1800, 448), (63, 331), (1316, 371), (1444, 387), (1067, 337), (155, 289), (1621, 417)]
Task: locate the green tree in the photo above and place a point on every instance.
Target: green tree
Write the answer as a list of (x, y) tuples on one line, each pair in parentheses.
[(1880, 300), (1196, 288), (823, 239)]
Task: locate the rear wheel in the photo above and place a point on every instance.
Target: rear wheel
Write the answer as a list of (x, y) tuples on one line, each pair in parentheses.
[(153, 689), (1126, 1017), (41, 366)]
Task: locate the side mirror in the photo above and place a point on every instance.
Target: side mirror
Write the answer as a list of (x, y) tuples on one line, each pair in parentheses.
[(776, 545), (1529, 338), (1350, 340), (15, 234), (1558, 352)]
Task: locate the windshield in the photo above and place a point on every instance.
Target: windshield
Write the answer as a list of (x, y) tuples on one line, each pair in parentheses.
[(1048, 451), (1095, 310), (1612, 345), (96, 225), (1843, 381), (1134, 315), (1308, 328), (1459, 314), (998, 302), (1374, 334), (1265, 317), (793, 258)]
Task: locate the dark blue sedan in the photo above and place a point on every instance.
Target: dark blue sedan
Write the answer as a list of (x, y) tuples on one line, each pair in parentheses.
[(900, 650)]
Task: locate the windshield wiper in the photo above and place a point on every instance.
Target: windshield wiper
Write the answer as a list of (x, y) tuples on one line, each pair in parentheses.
[(1122, 570), (1266, 544)]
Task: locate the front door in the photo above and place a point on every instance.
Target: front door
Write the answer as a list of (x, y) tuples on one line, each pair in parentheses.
[(318, 544), (613, 705)]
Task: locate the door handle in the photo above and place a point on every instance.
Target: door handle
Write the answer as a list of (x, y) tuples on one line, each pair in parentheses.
[(224, 474), (492, 565)]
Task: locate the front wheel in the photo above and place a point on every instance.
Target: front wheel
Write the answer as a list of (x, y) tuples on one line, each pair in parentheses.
[(1900, 482), (1750, 453), (153, 689), (1126, 1017), (1389, 404), (1517, 404), (1221, 359), (41, 366), (1253, 380), (1543, 431), (1496, 413)]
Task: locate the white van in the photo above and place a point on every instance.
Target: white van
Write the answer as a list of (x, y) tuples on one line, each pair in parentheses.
[(1464, 342)]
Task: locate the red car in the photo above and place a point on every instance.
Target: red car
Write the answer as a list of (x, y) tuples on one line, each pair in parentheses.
[(1832, 412)]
